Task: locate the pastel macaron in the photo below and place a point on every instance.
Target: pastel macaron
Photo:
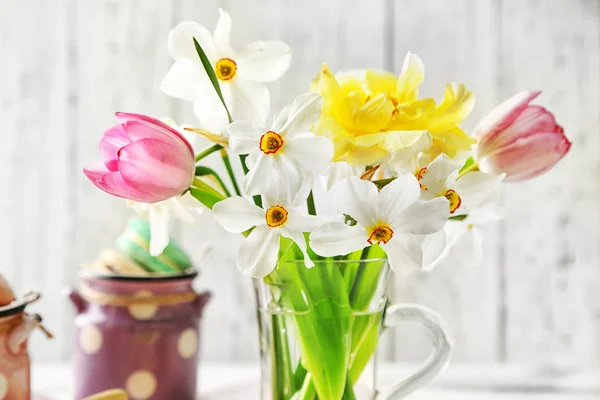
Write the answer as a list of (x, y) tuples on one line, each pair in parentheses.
[(111, 261), (134, 243)]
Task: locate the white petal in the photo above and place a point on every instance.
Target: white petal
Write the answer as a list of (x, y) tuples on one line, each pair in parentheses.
[(222, 32), (310, 152), (158, 217), (303, 114), (280, 119), (358, 199), (437, 172), (257, 255), (337, 238), (258, 179), (404, 253), (185, 80), (469, 248), (237, 214), (298, 238), (396, 196), (264, 61), (292, 179), (435, 249), (181, 44), (486, 215), (474, 187), (340, 171), (210, 111), (177, 209), (244, 137), (249, 101), (422, 217), (302, 222)]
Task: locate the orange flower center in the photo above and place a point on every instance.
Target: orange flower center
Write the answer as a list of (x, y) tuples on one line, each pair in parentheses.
[(271, 142), (276, 216), (420, 173), (454, 200), (379, 234), (225, 69)]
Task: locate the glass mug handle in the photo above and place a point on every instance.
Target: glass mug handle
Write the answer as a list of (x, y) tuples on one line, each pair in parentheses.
[(439, 357)]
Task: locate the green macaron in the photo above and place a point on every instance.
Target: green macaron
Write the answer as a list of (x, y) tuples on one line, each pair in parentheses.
[(134, 243)]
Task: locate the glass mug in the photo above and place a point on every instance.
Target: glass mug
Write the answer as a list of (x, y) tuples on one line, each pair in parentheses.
[(320, 327)]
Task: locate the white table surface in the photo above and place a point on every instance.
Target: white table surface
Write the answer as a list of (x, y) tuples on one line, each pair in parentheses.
[(462, 382)]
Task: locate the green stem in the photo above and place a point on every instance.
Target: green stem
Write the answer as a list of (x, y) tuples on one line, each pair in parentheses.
[(349, 390), (361, 270), (470, 168), (222, 184), (257, 199), (282, 376), (208, 151), (227, 163), (310, 203), (308, 390)]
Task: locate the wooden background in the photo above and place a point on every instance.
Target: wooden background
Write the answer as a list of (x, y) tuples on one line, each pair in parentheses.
[(67, 65)]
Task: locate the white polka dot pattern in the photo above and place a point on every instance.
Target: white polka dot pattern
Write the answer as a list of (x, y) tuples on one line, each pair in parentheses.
[(141, 385), (90, 339), (143, 312), (187, 344)]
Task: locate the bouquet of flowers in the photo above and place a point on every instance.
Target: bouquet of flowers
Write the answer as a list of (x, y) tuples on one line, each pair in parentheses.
[(405, 182)]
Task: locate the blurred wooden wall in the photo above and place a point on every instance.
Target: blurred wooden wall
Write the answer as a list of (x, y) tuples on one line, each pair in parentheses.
[(67, 65)]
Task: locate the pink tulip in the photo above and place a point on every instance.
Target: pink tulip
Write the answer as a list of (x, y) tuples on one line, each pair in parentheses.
[(519, 139), (143, 160)]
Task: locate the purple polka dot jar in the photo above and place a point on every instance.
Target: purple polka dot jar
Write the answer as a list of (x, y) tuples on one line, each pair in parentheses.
[(140, 334)]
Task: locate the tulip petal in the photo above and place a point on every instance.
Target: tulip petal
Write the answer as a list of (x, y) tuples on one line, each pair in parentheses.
[(264, 61), (358, 199), (337, 238), (185, 80), (398, 195), (504, 115), (249, 101), (96, 172), (112, 141), (181, 44), (237, 214), (114, 184), (257, 255), (303, 113), (527, 157), (310, 152), (532, 120), (422, 217), (139, 126), (157, 167)]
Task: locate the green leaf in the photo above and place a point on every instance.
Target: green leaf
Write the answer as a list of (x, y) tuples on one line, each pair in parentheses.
[(383, 182), (205, 194), (203, 171), (211, 75), (458, 217), (470, 161)]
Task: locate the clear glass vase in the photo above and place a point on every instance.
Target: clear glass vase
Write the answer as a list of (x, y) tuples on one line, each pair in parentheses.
[(320, 327)]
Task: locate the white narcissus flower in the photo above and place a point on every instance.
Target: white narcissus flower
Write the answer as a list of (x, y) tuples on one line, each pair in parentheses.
[(340, 170), (257, 256), (242, 75), (287, 153), (465, 193), (394, 218), (159, 216)]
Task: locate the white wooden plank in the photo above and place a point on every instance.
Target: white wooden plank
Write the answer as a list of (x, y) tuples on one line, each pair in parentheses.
[(455, 40), (553, 231)]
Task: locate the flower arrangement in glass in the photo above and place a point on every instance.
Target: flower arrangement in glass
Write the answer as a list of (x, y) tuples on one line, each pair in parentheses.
[(408, 186)]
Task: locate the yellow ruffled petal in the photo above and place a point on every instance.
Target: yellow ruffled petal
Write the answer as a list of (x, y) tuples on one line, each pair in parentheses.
[(382, 82), (374, 115), (327, 126), (411, 77), (359, 155), (398, 140), (414, 115), (334, 102), (451, 142), (457, 105)]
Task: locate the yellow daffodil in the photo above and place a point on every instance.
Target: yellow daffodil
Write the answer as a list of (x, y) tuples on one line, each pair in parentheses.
[(369, 114)]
